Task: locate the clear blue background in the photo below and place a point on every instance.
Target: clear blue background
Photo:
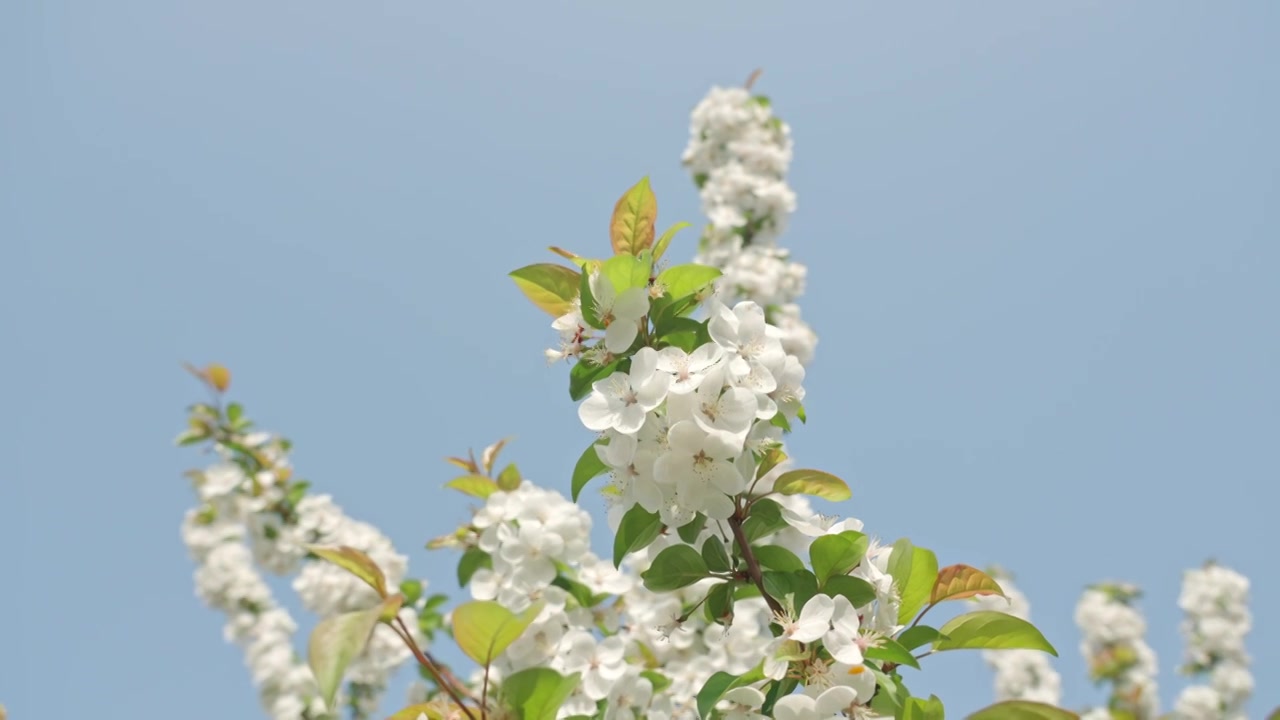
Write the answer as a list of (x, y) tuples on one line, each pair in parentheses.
[(1042, 240)]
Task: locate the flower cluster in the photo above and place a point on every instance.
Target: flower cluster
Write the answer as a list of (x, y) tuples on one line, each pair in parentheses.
[(1215, 600), (683, 431), (1115, 649), (252, 516), (1020, 674), (648, 654), (738, 153)]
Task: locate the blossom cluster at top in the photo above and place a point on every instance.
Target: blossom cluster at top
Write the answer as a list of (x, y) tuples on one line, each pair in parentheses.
[(738, 153), (1215, 600), (1115, 648), (247, 519), (1020, 674)]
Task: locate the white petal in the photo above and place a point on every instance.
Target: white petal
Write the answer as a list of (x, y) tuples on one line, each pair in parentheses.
[(814, 620), (745, 695), (705, 356), (630, 419), (686, 438), (632, 304), (672, 360), (595, 412), (643, 365), (834, 700), (794, 707), (620, 334)]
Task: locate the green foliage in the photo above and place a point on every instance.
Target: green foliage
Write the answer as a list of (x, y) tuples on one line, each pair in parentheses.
[(549, 286), (765, 519), (918, 709), (858, 591), (537, 693), (509, 479), (813, 482), (800, 584), (918, 636), (722, 682), (914, 571), (660, 247), (638, 529), (776, 557), (355, 562), (1022, 710), (684, 280), (690, 531), (588, 467), (892, 651), (483, 628), (990, 630), (715, 555), (472, 560), (338, 640), (833, 555), (719, 603), (675, 567), (474, 485), (583, 374)]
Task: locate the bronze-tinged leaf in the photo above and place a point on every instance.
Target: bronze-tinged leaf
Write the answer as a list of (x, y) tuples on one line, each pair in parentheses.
[(631, 229), (219, 376), (956, 582), (355, 562), (549, 286)]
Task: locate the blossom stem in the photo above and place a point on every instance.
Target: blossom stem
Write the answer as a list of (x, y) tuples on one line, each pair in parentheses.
[(753, 565), (431, 666)]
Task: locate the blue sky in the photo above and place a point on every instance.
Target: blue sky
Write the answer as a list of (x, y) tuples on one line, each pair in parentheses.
[(1043, 256)]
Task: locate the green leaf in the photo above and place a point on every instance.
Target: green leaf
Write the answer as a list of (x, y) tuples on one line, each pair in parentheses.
[(957, 582), (551, 287), (779, 689), (914, 572), (776, 557), (483, 628), (684, 280), (771, 460), (660, 247), (722, 682), (892, 651), (509, 479), (812, 482), (473, 485), (471, 561), (765, 519), (412, 591), (659, 681), (355, 562), (631, 228), (858, 591), (715, 555), (587, 298), (537, 693), (627, 272), (719, 603), (833, 555), (1022, 710), (780, 421), (338, 640), (918, 636), (583, 374), (235, 411), (991, 630), (576, 590), (800, 584), (690, 531), (918, 709), (675, 567), (638, 529), (589, 467)]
